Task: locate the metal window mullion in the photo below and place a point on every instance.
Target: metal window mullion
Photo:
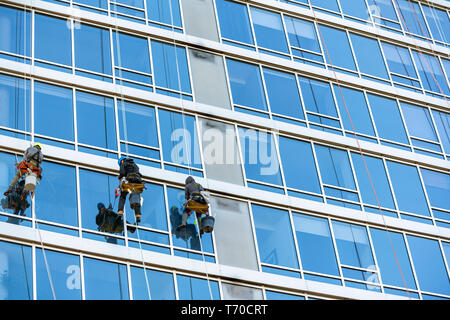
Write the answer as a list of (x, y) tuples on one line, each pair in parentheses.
[(392, 191), (336, 252), (33, 271), (405, 125), (297, 250), (355, 60), (355, 181), (169, 225), (436, 129), (72, 35), (77, 176), (380, 282), (255, 240), (152, 71), (319, 40), (366, 99), (266, 94), (426, 27), (286, 35), (241, 153), (416, 279), (369, 13), (444, 257), (312, 145), (252, 28), (419, 78), (180, 5), (275, 138), (425, 192), (336, 104), (82, 278), (386, 64)]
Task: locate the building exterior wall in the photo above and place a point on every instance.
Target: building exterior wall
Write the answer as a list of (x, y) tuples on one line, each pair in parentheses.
[(320, 128)]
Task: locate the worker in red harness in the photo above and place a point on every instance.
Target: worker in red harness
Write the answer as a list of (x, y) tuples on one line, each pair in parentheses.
[(31, 161)]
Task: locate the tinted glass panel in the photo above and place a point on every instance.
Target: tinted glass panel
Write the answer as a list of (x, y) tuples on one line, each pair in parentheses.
[(315, 244), (399, 60), (411, 17), (246, 84), (125, 49), (92, 49), (197, 289), (429, 265), (65, 273), (335, 167), (16, 270), (53, 40), (160, 285), (437, 185), (282, 91), (57, 200), (390, 128), (438, 22), (53, 111), (392, 258), (317, 96), (354, 8), (14, 31), (274, 235), (418, 121), (407, 188), (96, 124), (442, 121), (302, 34), (164, 11), (431, 73), (338, 48), (269, 31), (353, 108), (15, 101), (105, 280), (378, 179), (368, 54), (327, 4), (300, 171), (234, 21)]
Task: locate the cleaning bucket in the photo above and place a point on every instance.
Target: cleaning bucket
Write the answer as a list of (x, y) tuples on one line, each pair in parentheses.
[(30, 182), (208, 224)]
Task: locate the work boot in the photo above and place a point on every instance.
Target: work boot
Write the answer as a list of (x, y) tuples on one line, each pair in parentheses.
[(184, 218), (7, 192), (138, 218)]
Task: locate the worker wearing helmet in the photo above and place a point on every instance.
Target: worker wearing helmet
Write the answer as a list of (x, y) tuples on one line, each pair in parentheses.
[(32, 156), (129, 172)]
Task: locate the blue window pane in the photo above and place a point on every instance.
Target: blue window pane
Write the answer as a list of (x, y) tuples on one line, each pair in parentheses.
[(153, 208), (338, 48), (16, 270), (57, 200), (390, 128), (164, 11), (302, 34), (15, 100), (94, 188), (274, 236), (429, 265), (298, 164), (139, 122), (65, 275), (446, 64), (368, 54), (437, 185), (53, 40), (282, 92), (431, 73), (383, 8), (160, 284), (234, 21), (96, 124), (446, 246), (315, 244), (378, 179), (354, 112), (318, 97), (93, 3), (105, 280), (439, 23), (272, 295), (53, 111), (335, 167), (399, 61), (326, 4), (269, 31), (126, 48), (353, 245), (188, 238), (411, 17), (407, 188), (442, 121), (418, 121), (392, 258), (179, 139), (190, 288), (14, 31), (170, 64), (92, 49), (260, 156), (354, 8), (246, 84)]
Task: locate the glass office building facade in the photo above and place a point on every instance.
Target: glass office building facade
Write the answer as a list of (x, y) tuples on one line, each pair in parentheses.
[(320, 128)]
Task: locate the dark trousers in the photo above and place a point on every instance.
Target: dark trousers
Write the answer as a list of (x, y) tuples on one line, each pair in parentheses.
[(122, 199)]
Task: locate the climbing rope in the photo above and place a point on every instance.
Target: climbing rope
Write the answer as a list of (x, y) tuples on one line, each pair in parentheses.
[(360, 149), (124, 123), (188, 152)]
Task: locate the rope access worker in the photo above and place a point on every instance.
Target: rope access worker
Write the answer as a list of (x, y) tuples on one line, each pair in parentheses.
[(130, 182), (194, 201), (31, 162)]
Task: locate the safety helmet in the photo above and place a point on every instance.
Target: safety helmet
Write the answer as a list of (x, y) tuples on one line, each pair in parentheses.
[(37, 144), (121, 159)]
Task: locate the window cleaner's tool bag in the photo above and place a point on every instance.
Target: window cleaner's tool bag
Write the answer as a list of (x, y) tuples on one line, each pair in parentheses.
[(135, 200)]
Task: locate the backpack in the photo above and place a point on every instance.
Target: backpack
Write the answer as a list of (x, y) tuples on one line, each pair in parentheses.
[(132, 171)]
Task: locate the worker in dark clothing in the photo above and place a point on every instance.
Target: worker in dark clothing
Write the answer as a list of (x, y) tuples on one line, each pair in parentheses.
[(32, 159), (17, 199), (193, 191), (130, 183), (109, 221), (189, 233)]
